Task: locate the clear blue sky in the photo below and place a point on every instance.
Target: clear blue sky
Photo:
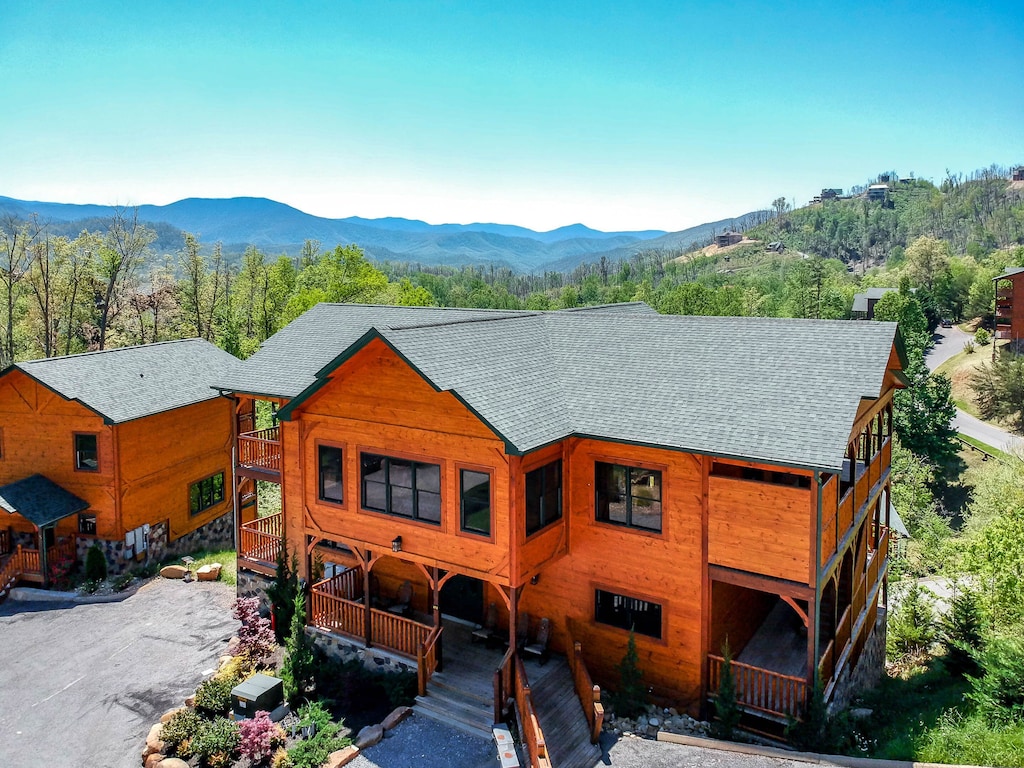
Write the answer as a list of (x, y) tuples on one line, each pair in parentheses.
[(619, 115)]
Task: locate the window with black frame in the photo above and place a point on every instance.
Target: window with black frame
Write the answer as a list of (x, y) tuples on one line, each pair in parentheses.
[(206, 493), (475, 501), (630, 613), (543, 496), (87, 456), (629, 496), (331, 487), (401, 487)]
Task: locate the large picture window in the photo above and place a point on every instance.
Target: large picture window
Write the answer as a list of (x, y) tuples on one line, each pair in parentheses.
[(87, 455), (475, 501), (206, 493), (331, 487), (543, 496), (641, 616), (401, 487), (628, 496)]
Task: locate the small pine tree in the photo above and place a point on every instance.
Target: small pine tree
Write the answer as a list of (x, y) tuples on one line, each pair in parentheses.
[(280, 592), (95, 564), (813, 733), (961, 634), (727, 709), (299, 666), (630, 698)]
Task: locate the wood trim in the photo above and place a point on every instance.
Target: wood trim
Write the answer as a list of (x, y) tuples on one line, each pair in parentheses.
[(799, 611), (666, 483), (342, 505), (74, 453), (768, 584), (617, 590), (459, 466), (441, 464), (705, 578)]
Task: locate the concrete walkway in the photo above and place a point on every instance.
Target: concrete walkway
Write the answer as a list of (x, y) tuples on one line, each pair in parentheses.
[(949, 342)]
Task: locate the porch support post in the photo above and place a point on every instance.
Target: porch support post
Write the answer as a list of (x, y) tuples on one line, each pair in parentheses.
[(435, 588), (513, 616), (814, 605), (367, 621), (43, 565)]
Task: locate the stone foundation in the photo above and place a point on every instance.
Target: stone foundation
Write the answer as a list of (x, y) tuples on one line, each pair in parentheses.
[(343, 649), (868, 671), (251, 584), (217, 534)]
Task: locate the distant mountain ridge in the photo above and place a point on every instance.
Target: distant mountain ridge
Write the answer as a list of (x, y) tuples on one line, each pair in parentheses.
[(275, 227)]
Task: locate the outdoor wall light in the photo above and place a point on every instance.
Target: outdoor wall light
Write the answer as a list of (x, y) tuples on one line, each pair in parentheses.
[(396, 544)]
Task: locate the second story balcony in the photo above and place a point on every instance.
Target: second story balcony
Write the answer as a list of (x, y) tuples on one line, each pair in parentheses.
[(259, 454)]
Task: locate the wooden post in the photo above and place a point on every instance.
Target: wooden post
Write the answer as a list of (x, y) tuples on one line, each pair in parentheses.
[(513, 617), (435, 580), (368, 620), (43, 566)]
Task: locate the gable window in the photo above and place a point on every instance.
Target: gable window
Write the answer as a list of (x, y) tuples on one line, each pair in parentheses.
[(331, 486), (86, 453), (476, 501), (401, 487), (629, 496), (206, 493), (543, 496), (641, 616), (87, 523)]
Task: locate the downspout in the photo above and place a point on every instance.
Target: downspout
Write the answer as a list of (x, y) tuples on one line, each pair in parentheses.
[(817, 581)]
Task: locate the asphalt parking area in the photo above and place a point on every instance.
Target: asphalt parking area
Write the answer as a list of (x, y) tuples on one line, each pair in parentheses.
[(82, 684)]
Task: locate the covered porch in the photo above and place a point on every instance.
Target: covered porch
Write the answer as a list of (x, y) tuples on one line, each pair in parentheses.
[(43, 504)]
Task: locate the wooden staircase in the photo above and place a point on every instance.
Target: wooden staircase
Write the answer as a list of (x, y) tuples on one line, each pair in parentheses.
[(452, 704), (561, 717), (10, 572)]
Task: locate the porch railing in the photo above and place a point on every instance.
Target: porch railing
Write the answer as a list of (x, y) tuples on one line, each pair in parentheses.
[(827, 665), (427, 658), (503, 684), (588, 693), (261, 539), (337, 614), (531, 732), (260, 449), (30, 562), (10, 572), (761, 690)]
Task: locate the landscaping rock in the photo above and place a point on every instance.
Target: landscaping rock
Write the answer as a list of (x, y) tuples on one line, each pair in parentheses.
[(397, 716), (341, 757), (153, 741), (169, 714), (173, 571), (172, 762), (190, 701), (154, 760), (860, 713), (369, 736), (209, 572)]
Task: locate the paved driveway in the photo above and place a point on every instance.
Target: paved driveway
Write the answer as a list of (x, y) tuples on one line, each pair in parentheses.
[(82, 684)]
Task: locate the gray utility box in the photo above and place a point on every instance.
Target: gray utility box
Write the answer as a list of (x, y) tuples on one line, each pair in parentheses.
[(259, 692)]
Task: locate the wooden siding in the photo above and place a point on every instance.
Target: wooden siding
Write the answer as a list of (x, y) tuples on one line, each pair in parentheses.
[(665, 568), (760, 527), (38, 427), (163, 454), (376, 404)]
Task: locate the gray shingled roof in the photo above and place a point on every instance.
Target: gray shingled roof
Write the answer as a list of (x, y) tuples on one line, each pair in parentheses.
[(1009, 272), (777, 390), (131, 382), (40, 500), (288, 361)]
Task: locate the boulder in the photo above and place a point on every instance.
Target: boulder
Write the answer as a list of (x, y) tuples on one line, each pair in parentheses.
[(369, 736), (397, 716), (154, 760), (341, 757), (173, 571), (172, 762), (209, 572), (153, 741), (169, 714), (190, 700)]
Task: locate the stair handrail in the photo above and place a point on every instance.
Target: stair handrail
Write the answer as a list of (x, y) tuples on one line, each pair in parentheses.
[(587, 692), (426, 659)]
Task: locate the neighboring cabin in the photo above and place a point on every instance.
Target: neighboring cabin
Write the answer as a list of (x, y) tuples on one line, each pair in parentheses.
[(726, 239), (864, 303), (126, 448), (696, 479), (1010, 305)]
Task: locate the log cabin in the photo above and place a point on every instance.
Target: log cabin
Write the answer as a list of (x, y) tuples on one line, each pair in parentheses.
[(1009, 316), (692, 480), (128, 449)]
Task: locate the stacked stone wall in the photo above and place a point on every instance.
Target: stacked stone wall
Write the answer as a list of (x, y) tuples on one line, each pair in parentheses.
[(866, 673)]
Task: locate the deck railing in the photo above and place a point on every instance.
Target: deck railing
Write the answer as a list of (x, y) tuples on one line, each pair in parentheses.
[(5, 542), (503, 684), (10, 572), (843, 632), (427, 658), (336, 614), (261, 539), (761, 690), (30, 562), (397, 633), (588, 693), (827, 665), (530, 729), (260, 449)]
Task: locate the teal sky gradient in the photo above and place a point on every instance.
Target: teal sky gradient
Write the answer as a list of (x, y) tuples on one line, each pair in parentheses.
[(617, 115)]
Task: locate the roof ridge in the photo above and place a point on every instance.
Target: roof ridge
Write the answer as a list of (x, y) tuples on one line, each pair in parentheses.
[(415, 307), (521, 315), (113, 349)]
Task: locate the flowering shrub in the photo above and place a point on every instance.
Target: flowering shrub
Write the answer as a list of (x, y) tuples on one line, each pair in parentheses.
[(260, 737), (255, 638)]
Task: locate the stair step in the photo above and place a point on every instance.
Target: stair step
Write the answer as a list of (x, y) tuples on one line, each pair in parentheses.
[(439, 682), (469, 722)]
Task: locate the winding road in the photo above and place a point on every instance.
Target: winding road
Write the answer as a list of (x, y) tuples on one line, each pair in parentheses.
[(948, 342)]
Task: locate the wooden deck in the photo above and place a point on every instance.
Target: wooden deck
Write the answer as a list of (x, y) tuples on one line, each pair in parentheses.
[(780, 644)]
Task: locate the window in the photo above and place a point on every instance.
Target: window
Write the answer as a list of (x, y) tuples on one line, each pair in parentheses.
[(628, 496), (86, 453), (87, 524), (331, 487), (476, 501), (206, 493), (401, 487), (642, 616), (543, 496), (722, 469)]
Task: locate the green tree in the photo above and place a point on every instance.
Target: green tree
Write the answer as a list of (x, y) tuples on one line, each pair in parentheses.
[(281, 593), (923, 413), (727, 709), (299, 667), (125, 249), (630, 697), (927, 260), (999, 390)]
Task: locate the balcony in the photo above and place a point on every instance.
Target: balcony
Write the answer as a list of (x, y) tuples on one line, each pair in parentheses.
[(259, 542), (259, 454)]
